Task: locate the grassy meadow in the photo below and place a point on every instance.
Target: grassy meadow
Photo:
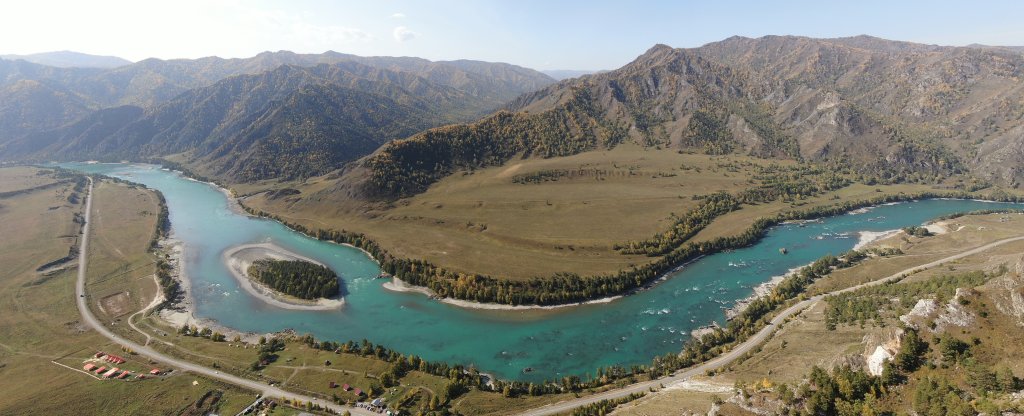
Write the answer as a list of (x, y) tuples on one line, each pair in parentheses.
[(489, 221)]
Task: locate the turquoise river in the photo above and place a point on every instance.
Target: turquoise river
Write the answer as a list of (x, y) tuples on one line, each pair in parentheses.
[(572, 340)]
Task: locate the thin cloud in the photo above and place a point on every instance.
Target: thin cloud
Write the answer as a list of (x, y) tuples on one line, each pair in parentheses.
[(398, 16), (403, 34)]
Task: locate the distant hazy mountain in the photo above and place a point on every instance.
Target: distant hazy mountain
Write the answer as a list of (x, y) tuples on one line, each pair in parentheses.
[(69, 59), (562, 74), (895, 109), (288, 122), (152, 81), (222, 112)]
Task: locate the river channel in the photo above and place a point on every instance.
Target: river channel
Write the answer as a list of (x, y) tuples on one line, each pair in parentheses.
[(553, 343)]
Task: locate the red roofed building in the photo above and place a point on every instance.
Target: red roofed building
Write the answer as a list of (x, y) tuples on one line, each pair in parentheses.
[(89, 367), (124, 375), (155, 371), (111, 373), (101, 370), (358, 392), (346, 387)]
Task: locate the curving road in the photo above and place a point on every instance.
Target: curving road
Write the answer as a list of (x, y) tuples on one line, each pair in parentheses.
[(265, 389), (749, 344)]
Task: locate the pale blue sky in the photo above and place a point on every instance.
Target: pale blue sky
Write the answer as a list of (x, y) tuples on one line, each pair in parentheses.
[(547, 34)]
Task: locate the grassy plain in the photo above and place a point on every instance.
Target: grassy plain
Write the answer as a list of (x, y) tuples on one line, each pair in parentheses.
[(23, 177), (485, 222), (120, 279), (43, 344)]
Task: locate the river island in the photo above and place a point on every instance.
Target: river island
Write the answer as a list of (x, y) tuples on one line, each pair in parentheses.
[(246, 260)]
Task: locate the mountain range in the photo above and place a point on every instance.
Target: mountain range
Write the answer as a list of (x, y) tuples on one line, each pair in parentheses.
[(897, 111), (276, 114)]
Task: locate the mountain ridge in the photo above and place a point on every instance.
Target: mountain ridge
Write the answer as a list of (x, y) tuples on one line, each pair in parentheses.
[(161, 108), (876, 105)]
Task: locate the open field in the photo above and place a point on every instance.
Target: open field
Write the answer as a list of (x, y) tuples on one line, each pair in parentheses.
[(672, 401), (485, 222), (40, 331), (120, 279), (805, 340), (23, 177)]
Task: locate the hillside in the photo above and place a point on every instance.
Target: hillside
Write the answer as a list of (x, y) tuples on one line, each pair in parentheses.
[(947, 328), (900, 110), (306, 115), (644, 102), (289, 122), (27, 106), (152, 82), (561, 179), (919, 107)]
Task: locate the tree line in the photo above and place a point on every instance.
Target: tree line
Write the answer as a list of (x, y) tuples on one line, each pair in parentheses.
[(946, 380), (298, 278), (874, 303)]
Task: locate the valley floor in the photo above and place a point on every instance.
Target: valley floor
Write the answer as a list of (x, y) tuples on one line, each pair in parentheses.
[(489, 222), (44, 342)]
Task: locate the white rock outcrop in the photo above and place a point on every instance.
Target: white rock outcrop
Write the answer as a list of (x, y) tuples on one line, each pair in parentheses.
[(877, 359), (955, 314), (922, 310)]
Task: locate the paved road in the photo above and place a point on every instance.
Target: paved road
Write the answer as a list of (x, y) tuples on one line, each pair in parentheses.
[(749, 344), (90, 319)]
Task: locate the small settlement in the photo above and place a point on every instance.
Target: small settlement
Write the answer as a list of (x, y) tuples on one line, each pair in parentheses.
[(95, 366)]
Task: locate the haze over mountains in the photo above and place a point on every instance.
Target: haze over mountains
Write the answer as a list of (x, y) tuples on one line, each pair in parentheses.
[(302, 114), (69, 59), (563, 74), (893, 109)]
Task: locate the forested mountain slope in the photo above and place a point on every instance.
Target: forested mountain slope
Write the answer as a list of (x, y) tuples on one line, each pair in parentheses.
[(289, 122), (898, 111), (307, 115)]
